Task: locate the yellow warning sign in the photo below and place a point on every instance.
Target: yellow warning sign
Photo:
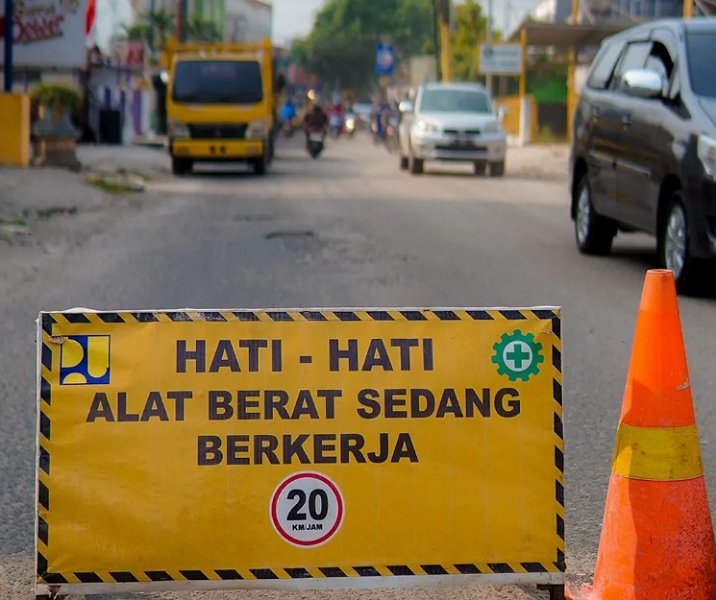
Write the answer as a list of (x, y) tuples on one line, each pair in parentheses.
[(225, 448)]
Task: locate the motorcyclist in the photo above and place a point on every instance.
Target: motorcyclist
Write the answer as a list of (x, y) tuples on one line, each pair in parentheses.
[(288, 114), (315, 121)]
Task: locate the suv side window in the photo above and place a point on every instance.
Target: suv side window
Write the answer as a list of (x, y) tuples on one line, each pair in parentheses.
[(634, 57), (604, 65)]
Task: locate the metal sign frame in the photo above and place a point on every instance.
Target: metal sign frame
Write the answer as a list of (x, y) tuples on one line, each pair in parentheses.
[(53, 326)]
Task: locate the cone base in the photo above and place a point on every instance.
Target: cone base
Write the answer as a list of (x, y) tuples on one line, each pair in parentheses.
[(657, 542)]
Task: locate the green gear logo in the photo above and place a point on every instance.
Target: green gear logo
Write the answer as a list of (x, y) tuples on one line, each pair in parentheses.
[(518, 355)]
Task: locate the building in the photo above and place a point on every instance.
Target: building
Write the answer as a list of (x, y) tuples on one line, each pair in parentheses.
[(608, 11), (248, 20)]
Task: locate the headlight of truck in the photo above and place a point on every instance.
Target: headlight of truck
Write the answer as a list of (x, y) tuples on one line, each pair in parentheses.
[(427, 127), (256, 130), (178, 130), (706, 149)]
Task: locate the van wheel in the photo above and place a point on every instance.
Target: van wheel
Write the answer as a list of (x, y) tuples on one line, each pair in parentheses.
[(593, 232), (181, 166), (673, 247)]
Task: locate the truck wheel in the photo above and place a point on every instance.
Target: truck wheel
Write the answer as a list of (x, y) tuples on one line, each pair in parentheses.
[(259, 166), (181, 166), (593, 232), (497, 169)]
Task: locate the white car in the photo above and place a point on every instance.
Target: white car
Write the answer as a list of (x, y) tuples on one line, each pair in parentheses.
[(452, 122)]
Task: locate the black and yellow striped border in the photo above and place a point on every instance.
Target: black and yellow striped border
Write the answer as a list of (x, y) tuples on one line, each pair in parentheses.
[(47, 322)]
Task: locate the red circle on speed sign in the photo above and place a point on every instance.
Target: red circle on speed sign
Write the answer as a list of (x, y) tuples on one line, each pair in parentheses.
[(307, 509)]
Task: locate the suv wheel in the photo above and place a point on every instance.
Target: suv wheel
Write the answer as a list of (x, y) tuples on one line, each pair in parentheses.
[(497, 169), (593, 232), (415, 165), (674, 245)]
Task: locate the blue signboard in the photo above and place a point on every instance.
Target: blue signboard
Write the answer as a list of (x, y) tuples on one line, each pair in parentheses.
[(384, 59)]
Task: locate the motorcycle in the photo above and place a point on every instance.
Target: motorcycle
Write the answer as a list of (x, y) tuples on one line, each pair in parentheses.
[(336, 125), (315, 144), (350, 126)]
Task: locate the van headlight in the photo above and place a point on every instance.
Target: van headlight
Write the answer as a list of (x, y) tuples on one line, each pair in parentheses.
[(256, 129), (706, 149), (178, 130)]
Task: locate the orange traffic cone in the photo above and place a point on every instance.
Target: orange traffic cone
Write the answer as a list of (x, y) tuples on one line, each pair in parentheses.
[(657, 537)]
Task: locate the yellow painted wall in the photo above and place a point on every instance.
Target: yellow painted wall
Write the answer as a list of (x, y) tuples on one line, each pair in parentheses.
[(511, 122), (15, 129)]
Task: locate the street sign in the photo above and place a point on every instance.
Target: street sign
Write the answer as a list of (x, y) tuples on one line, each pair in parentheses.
[(297, 448), (501, 59), (384, 59)]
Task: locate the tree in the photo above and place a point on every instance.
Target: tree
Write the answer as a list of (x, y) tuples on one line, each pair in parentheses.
[(470, 32), (161, 25), (137, 32), (341, 46), (202, 30)]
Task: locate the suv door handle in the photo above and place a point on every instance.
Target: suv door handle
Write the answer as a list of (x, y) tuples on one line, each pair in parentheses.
[(626, 120)]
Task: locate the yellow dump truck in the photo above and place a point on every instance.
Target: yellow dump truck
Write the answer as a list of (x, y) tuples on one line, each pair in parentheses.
[(220, 104)]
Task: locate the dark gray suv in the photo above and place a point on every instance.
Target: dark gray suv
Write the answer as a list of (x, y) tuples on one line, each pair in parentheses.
[(644, 145)]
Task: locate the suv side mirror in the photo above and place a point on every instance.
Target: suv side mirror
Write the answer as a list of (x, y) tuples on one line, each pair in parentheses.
[(406, 107), (501, 114), (644, 83)]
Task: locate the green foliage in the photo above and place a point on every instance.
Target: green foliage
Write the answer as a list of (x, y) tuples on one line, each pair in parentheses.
[(341, 46), (161, 26), (137, 32), (202, 30), (55, 95), (470, 32)]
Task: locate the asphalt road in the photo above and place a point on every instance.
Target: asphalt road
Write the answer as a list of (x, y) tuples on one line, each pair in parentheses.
[(351, 230)]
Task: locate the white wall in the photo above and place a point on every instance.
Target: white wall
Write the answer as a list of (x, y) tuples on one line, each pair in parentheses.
[(248, 20)]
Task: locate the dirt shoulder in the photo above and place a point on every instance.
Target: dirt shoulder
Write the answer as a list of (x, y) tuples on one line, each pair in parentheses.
[(46, 212)]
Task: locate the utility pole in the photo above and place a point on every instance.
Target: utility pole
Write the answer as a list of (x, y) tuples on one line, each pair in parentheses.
[(489, 41), (444, 8), (572, 73), (688, 9), (182, 15), (9, 20)]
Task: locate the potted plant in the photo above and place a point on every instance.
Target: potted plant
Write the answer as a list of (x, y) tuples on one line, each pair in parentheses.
[(55, 138)]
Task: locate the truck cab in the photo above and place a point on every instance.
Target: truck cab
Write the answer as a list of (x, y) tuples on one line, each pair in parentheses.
[(220, 104)]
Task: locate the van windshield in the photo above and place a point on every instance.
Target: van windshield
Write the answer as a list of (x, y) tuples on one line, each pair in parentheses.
[(701, 46), (217, 82), (454, 101)]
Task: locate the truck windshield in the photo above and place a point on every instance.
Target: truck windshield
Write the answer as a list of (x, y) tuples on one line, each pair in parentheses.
[(701, 47), (217, 82), (454, 101)]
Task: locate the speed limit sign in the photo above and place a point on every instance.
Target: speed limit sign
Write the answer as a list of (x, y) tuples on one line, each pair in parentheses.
[(307, 509)]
